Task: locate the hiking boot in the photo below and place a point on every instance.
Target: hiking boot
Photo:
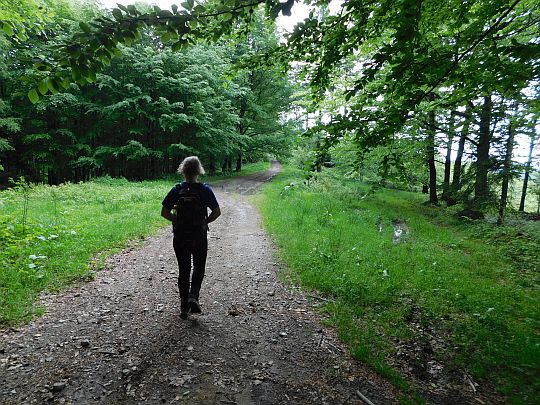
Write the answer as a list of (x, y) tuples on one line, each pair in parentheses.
[(194, 306), (184, 313)]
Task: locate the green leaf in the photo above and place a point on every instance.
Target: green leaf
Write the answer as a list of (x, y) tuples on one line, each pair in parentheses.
[(51, 86), (8, 29), (199, 8), (42, 87), (122, 7), (91, 77), (85, 27), (227, 16), (33, 96), (166, 37), (117, 14), (165, 14), (132, 10), (178, 45)]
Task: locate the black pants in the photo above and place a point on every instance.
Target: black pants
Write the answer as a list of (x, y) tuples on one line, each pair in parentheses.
[(184, 250)]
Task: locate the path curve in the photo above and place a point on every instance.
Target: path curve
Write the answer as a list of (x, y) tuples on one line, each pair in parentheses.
[(119, 339)]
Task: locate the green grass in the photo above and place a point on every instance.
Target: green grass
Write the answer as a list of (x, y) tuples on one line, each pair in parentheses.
[(68, 231), (65, 228), (472, 284), (250, 168)]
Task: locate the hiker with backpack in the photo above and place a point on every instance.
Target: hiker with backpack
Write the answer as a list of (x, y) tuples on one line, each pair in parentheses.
[(186, 206)]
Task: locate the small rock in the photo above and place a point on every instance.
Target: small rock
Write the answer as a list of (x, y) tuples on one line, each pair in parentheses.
[(257, 382), (85, 343), (233, 311), (59, 386), (271, 293), (282, 334)]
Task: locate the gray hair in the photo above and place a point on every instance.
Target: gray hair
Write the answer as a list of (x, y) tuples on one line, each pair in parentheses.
[(191, 167)]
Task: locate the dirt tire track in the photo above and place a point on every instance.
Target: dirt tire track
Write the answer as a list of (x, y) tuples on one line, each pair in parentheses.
[(119, 338)]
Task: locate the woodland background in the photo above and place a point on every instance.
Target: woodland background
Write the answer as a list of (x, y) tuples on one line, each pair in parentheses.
[(394, 117)]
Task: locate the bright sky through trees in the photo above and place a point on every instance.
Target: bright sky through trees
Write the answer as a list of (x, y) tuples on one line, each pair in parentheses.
[(298, 12)]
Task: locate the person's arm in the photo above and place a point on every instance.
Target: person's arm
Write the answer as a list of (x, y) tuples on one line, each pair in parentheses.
[(166, 213), (216, 212)]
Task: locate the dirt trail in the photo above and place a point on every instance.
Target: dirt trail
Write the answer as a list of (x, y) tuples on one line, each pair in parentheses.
[(119, 339)]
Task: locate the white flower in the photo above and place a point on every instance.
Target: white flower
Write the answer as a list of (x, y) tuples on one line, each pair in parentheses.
[(32, 265), (73, 232), (52, 236), (32, 257), (41, 237)]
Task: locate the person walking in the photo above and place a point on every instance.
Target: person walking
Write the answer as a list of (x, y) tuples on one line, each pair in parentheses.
[(186, 206)]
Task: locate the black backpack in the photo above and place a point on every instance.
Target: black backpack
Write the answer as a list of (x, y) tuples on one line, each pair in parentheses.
[(189, 222)]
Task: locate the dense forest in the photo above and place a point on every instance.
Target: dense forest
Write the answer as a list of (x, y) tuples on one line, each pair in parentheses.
[(145, 112)]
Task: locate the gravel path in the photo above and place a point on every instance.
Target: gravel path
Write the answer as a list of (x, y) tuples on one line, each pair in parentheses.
[(119, 338)]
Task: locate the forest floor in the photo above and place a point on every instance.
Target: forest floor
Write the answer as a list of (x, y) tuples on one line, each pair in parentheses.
[(119, 338)]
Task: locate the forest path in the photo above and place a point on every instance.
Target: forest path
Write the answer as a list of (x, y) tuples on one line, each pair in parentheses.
[(119, 338)]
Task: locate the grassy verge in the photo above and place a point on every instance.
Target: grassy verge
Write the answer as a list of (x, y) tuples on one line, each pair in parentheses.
[(464, 295), (51, 236), (64, 228)]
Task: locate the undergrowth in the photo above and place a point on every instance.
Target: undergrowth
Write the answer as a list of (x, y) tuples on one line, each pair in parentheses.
[(398, 271)]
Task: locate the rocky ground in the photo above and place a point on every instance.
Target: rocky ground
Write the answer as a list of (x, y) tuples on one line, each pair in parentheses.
[(119, 338)]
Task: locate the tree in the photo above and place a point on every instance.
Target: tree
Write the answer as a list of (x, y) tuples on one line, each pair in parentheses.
[(507, 167), (528, 167)]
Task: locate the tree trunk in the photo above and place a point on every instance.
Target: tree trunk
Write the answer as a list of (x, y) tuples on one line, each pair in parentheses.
[(212, 167), (430, 157), (507, 167), (456, 177), (448, 158), (481, 187), (526, 178), (238, 163), (224, 165)]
